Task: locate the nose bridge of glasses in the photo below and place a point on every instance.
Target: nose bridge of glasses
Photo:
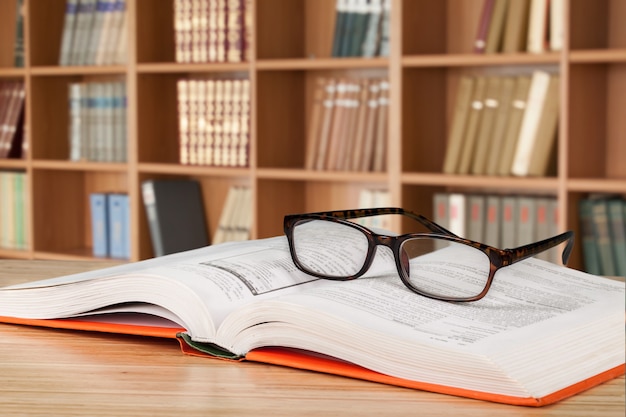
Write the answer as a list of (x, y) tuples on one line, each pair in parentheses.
[(384, 240)]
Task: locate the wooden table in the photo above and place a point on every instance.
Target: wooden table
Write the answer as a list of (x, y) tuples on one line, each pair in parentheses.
[(56, 372)]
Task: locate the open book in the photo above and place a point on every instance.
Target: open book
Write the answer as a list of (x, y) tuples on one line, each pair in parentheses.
[(542, 333)]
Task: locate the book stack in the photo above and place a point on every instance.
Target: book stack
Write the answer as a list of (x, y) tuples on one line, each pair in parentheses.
[(110, 225), (502, 221), (348, 125), (13, 210), (235, 222), (212, 30), (361, 28), (12, 96), (214, 122), (510, 26), (504, 125), (603, 225), (94, 33), (97, 121)]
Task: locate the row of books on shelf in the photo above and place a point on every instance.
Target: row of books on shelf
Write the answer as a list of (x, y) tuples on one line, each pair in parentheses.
[(12, 96), (13, 209), (502, 221), (110, 225), (361, 28), (214, 121), (97, 121), (510, 26), (212, 30), (603, 225), (504, 125), (94, 33), (176, 215), (348, 125), (235, 221)]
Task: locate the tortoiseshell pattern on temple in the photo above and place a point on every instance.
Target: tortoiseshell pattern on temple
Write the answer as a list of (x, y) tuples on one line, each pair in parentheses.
[(498, 258)]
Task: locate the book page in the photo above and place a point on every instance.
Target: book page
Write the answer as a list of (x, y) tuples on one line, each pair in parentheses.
[(537, 318), (198, 288)]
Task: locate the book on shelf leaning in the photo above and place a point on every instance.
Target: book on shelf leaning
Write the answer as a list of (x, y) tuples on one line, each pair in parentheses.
[(247, 301)]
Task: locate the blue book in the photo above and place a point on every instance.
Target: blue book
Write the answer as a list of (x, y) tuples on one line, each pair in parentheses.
[(119, 230), (99, 224)]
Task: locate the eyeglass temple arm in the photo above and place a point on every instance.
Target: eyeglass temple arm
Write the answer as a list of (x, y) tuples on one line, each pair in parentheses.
[(532, 249), (348, 214)]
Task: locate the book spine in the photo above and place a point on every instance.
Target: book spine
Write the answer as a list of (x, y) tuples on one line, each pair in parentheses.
[(18, 48), (183, 121), (244, 142), (528, 130), (371, 41), (71, 10), (149, 201), (483, 26), (99, 206), (235, 31), (119, 238)]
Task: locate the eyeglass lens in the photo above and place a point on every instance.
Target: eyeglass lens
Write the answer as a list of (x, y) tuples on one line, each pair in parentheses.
[(431, 265)]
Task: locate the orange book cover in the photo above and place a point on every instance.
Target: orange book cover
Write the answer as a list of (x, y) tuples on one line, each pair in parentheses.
[(311, 361)]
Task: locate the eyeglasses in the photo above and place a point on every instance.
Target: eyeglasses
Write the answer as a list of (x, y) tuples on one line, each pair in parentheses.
[(439, 265)]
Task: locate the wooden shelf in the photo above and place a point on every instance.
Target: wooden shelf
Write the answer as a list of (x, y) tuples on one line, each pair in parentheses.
[(431, 47)]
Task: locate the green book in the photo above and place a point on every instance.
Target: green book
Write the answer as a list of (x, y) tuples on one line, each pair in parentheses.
[(591, 257), (602, 235), (617, 225)]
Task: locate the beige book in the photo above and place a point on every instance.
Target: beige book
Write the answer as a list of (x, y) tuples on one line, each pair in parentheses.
[(211, 122), (244, 143), (545, 138), (223, 151), (473, 123), (557, 24), (496, 26), (338, 124), (235, 124), (498, 133), (218, 125), (365, 164), (351, 114), (516, 114), (328, 113), (537, 27), (313, 136), (459, 122), (529, 129), (227, 216), (380, 154), (491, 104), (354, 157), (516, 26), (183, 121)]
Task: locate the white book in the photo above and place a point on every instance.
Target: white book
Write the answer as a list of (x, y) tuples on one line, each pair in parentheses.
[(557, 24), (76, 92), (457, 214), (537, 26)]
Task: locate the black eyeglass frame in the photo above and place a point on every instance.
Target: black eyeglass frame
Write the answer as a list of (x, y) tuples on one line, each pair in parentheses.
[(498, 258)]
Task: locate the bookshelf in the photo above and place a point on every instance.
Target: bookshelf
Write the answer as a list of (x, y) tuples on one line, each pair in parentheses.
[(431, 48)]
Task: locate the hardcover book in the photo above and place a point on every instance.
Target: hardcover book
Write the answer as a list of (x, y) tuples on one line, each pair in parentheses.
[(523, 344), (175, 212)]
